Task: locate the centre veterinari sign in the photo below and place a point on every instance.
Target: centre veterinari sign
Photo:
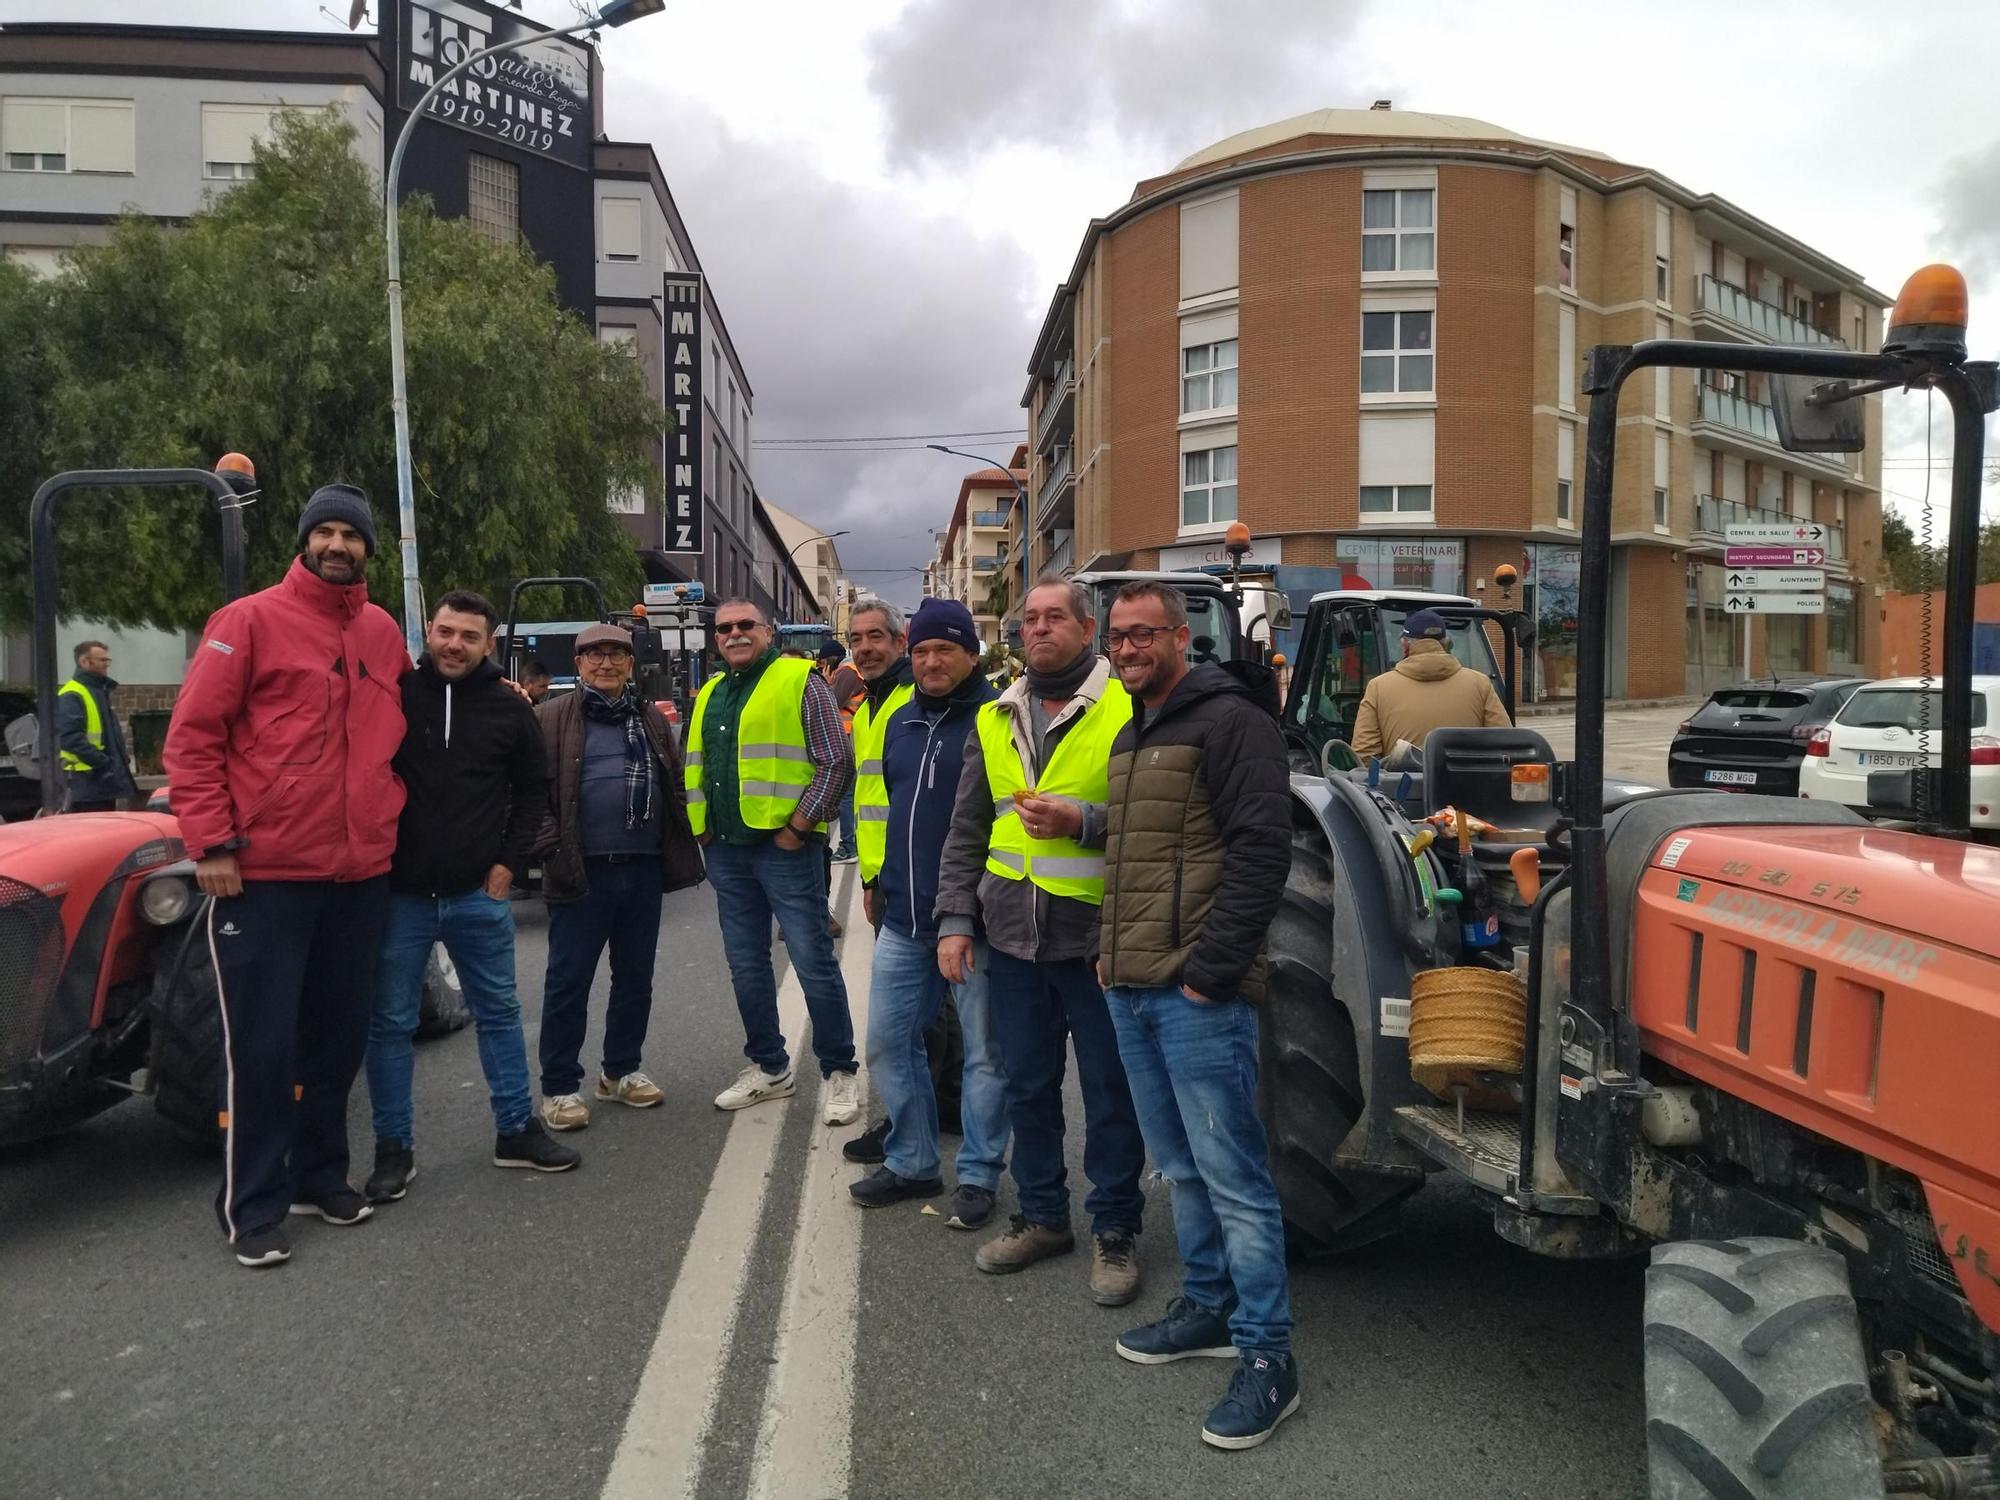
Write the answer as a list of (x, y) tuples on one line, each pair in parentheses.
[(681, 299), (536, 98)]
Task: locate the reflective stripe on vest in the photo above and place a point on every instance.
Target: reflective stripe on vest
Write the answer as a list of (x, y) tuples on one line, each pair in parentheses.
[(1080, 768), (93, 724), (871, 791), (773, 765)]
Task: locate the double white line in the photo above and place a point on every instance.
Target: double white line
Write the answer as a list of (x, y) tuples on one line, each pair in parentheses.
[(804, 1433)]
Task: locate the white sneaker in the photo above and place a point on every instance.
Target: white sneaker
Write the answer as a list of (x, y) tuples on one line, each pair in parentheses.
[(843, 1098), (753, 1086)]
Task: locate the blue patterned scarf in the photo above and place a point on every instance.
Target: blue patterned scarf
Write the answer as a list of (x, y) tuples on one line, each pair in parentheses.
[(626, 709)]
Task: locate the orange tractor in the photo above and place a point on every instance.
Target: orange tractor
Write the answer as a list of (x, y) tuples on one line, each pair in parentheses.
[(1759, 1037)]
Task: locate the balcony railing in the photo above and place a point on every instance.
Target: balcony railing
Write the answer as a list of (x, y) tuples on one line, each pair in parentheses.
[(1713, 515), (989, 518), (1755, 316), (985, 564), (1063, 557), (1060, 390), (1057, 476), (1727, 409)]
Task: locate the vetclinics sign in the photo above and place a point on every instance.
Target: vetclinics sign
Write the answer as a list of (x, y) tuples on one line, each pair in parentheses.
[(686, 525), (536, 98)]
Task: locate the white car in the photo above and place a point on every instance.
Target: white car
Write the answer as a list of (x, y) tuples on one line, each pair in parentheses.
[(1897, 725)]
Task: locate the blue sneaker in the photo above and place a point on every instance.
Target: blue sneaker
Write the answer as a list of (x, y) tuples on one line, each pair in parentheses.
[(1262, 1393), (1188, 1331)]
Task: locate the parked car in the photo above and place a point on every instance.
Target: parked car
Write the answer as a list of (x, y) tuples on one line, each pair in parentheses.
[(1897, 725), (1752, 737)]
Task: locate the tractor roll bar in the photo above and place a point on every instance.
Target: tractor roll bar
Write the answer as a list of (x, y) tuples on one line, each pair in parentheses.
[(1970, 387), (42, 580)]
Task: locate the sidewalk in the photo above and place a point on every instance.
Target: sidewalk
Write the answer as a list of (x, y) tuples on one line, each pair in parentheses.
[(1567, 710)]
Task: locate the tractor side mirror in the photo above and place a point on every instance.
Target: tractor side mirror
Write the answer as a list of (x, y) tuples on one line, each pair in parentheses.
[(21, 737), (1816, 416)]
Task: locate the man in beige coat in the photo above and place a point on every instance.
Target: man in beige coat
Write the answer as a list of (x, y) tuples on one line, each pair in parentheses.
[(1428, 689)]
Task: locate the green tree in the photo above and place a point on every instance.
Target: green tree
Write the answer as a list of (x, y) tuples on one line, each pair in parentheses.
[(1909, 567), (262, 326)]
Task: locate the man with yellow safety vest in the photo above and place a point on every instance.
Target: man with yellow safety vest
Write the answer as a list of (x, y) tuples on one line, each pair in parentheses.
[(1024, 861), (96, 769), (767, 761)]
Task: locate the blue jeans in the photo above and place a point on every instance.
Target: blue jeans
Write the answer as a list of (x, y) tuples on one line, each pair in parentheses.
[(906, 991), (1035, 1007), (754, 883), (847, 820), (1193, 1068), (478, 933), (619, 910)]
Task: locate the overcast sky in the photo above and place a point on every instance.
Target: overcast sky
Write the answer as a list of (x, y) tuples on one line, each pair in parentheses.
[(886, 192)]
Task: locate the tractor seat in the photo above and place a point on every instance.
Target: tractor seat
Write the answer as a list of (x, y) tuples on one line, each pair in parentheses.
[(1473, 770)]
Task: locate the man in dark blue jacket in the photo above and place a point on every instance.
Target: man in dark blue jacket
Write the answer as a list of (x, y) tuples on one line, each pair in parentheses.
[(922, 755)]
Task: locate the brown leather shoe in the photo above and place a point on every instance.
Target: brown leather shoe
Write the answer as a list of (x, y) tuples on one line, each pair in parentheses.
[(1114, 1269), (1021, 1246)]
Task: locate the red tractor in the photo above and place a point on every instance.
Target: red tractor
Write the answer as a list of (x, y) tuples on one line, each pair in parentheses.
[(107, 988)]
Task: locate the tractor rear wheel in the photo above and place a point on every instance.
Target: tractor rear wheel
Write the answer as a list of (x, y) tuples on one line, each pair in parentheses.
[(186, 1017), (1756, 1387), (1309, 1073)]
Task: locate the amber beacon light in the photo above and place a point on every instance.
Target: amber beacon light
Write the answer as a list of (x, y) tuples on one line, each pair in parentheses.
[(1930, 314)]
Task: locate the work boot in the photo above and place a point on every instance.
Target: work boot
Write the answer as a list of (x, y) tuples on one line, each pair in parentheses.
[(1262, 1393), (395, 1170), (1022, 1245), (1114, 1270)]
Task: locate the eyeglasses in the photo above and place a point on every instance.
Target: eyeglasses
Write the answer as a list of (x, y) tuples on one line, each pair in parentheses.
[(734, 627), (1141, 636), (604, 653)]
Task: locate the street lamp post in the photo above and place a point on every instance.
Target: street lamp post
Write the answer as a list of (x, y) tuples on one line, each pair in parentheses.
[(825, 536), (1020, 499), (611, 13)]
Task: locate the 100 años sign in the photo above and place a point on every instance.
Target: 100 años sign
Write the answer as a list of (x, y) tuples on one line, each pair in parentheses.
[(536, 98)]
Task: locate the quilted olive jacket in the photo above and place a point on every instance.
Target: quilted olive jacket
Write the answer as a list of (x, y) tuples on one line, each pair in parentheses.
[(1199, 825)]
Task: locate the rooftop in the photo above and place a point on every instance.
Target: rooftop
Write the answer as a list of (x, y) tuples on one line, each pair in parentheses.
[(1389, 124)]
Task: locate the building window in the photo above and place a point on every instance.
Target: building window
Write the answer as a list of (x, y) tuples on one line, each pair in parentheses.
[(1663, 250), (1398, 231), (624, 336), (493, 197), (67, 135), (1566, 358), (621, 236), (1659, 509), (1660, 279), (1566, 256), (1396, 354), (1208, 488), (229, 137), (1208, 377), (627, 502), (714, 467), (1565, 473), (1663, 378), (1564, 515), (1401, 500)]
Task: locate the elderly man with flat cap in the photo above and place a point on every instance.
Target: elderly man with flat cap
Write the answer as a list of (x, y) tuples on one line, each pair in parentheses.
[(616, 838)]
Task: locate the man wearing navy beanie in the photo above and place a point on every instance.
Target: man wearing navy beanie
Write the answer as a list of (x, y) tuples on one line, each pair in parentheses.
[(923, 752), (279, 758)]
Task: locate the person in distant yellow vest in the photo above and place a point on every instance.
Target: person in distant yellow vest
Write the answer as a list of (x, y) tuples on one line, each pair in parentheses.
[(1024, 865), (767, 761), (878, 635), (96, 769)]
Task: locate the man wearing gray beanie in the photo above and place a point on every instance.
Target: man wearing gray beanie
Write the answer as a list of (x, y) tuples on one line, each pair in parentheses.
[(278, 757)]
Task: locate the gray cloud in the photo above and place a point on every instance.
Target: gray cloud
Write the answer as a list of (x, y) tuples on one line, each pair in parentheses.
[(958, 79), (854, 314)]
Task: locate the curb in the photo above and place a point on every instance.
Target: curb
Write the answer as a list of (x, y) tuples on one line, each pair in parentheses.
[(1616, 705)]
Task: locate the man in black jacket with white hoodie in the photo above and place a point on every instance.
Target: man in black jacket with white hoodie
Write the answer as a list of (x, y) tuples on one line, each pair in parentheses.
[(476, 775)]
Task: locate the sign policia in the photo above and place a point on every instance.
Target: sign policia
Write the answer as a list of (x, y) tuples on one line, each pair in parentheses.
[(686, 529), (536, 99)]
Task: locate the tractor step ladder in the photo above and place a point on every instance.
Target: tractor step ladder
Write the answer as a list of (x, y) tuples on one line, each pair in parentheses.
[(1486, 1151)]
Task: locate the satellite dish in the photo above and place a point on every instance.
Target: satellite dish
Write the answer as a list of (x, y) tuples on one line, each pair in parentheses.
[(20, 737), (356, 14)]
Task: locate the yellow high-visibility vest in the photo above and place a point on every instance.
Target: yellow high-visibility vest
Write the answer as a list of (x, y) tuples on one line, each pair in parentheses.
[(773, 765), (1080, 768), (871, 791), (93, 723)]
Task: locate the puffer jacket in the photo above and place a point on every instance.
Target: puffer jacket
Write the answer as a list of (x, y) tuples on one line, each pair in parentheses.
[(282, 736), (1199, 837), (1428, 689)]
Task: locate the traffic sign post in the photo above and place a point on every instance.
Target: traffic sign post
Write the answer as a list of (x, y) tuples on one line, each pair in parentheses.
[(1740, 580), (1746, 603)]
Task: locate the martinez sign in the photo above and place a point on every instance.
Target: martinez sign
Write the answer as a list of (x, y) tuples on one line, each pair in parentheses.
[(685, 524), (537, 98)]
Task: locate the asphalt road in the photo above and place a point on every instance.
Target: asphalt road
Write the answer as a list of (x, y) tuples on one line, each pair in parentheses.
[(1635, 739), (700, 1311)]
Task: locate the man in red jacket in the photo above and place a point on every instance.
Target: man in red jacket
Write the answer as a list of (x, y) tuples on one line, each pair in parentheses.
[(278, 757)]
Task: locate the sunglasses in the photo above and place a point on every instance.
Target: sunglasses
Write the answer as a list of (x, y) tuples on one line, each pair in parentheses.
[(734, 627)]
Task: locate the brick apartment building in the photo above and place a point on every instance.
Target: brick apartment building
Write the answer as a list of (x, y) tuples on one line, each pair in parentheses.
[(977, 562), (1359, 331)]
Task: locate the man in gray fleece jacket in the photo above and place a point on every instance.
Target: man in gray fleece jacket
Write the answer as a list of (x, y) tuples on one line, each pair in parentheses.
[(1023, 862)]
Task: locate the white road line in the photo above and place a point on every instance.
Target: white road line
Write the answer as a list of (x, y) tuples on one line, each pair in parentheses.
[(660, 1455), (805, 1437)]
